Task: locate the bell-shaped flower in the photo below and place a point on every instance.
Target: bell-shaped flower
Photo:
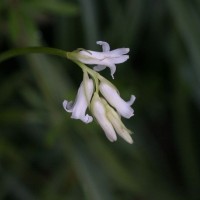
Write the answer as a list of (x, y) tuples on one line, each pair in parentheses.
[(79, 107), (112, 96), (99, 112), (116, 122), (109, 120), (103, 59)]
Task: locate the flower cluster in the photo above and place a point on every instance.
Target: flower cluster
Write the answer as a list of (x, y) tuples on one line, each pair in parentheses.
[(100, 95)]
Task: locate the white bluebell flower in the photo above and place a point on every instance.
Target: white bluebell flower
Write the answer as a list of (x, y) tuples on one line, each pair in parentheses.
[(79, 107), (117, 123), (112, 96), (99, 111), (103, 59), (100, 95), (109, 120)]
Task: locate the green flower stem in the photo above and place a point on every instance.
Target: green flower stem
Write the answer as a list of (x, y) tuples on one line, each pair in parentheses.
[(93, 73), (21, 51), (57, 52)]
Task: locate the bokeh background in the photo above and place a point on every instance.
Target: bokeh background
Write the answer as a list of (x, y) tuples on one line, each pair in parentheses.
[(46, 155)]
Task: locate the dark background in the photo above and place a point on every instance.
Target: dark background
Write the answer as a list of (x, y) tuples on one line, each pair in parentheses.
[(44, 154)]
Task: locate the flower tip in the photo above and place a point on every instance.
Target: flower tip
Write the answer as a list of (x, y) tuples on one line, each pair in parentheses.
[(130, 141), (127, 50), (112, 138), (112, 70), (128, 138), (99, 42), (87, 119), (132, 100), (67, 105), (123, 50), (125, 58)]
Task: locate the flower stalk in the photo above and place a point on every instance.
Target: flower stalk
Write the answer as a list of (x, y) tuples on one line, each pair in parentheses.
[(22, 51), (105, 104), (95, 93)]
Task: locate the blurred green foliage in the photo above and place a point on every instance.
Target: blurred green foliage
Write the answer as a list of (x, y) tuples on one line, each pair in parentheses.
[(46, 155)]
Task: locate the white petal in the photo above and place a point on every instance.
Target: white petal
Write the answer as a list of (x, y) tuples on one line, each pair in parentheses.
[(87, 119), (114, 99), (99, 68), (107, 63), (120, 59), (68, 105), (118, 52), (82, 102), (105, 45), (112, 69), (90, 57), (132, 99), (99, 112)]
